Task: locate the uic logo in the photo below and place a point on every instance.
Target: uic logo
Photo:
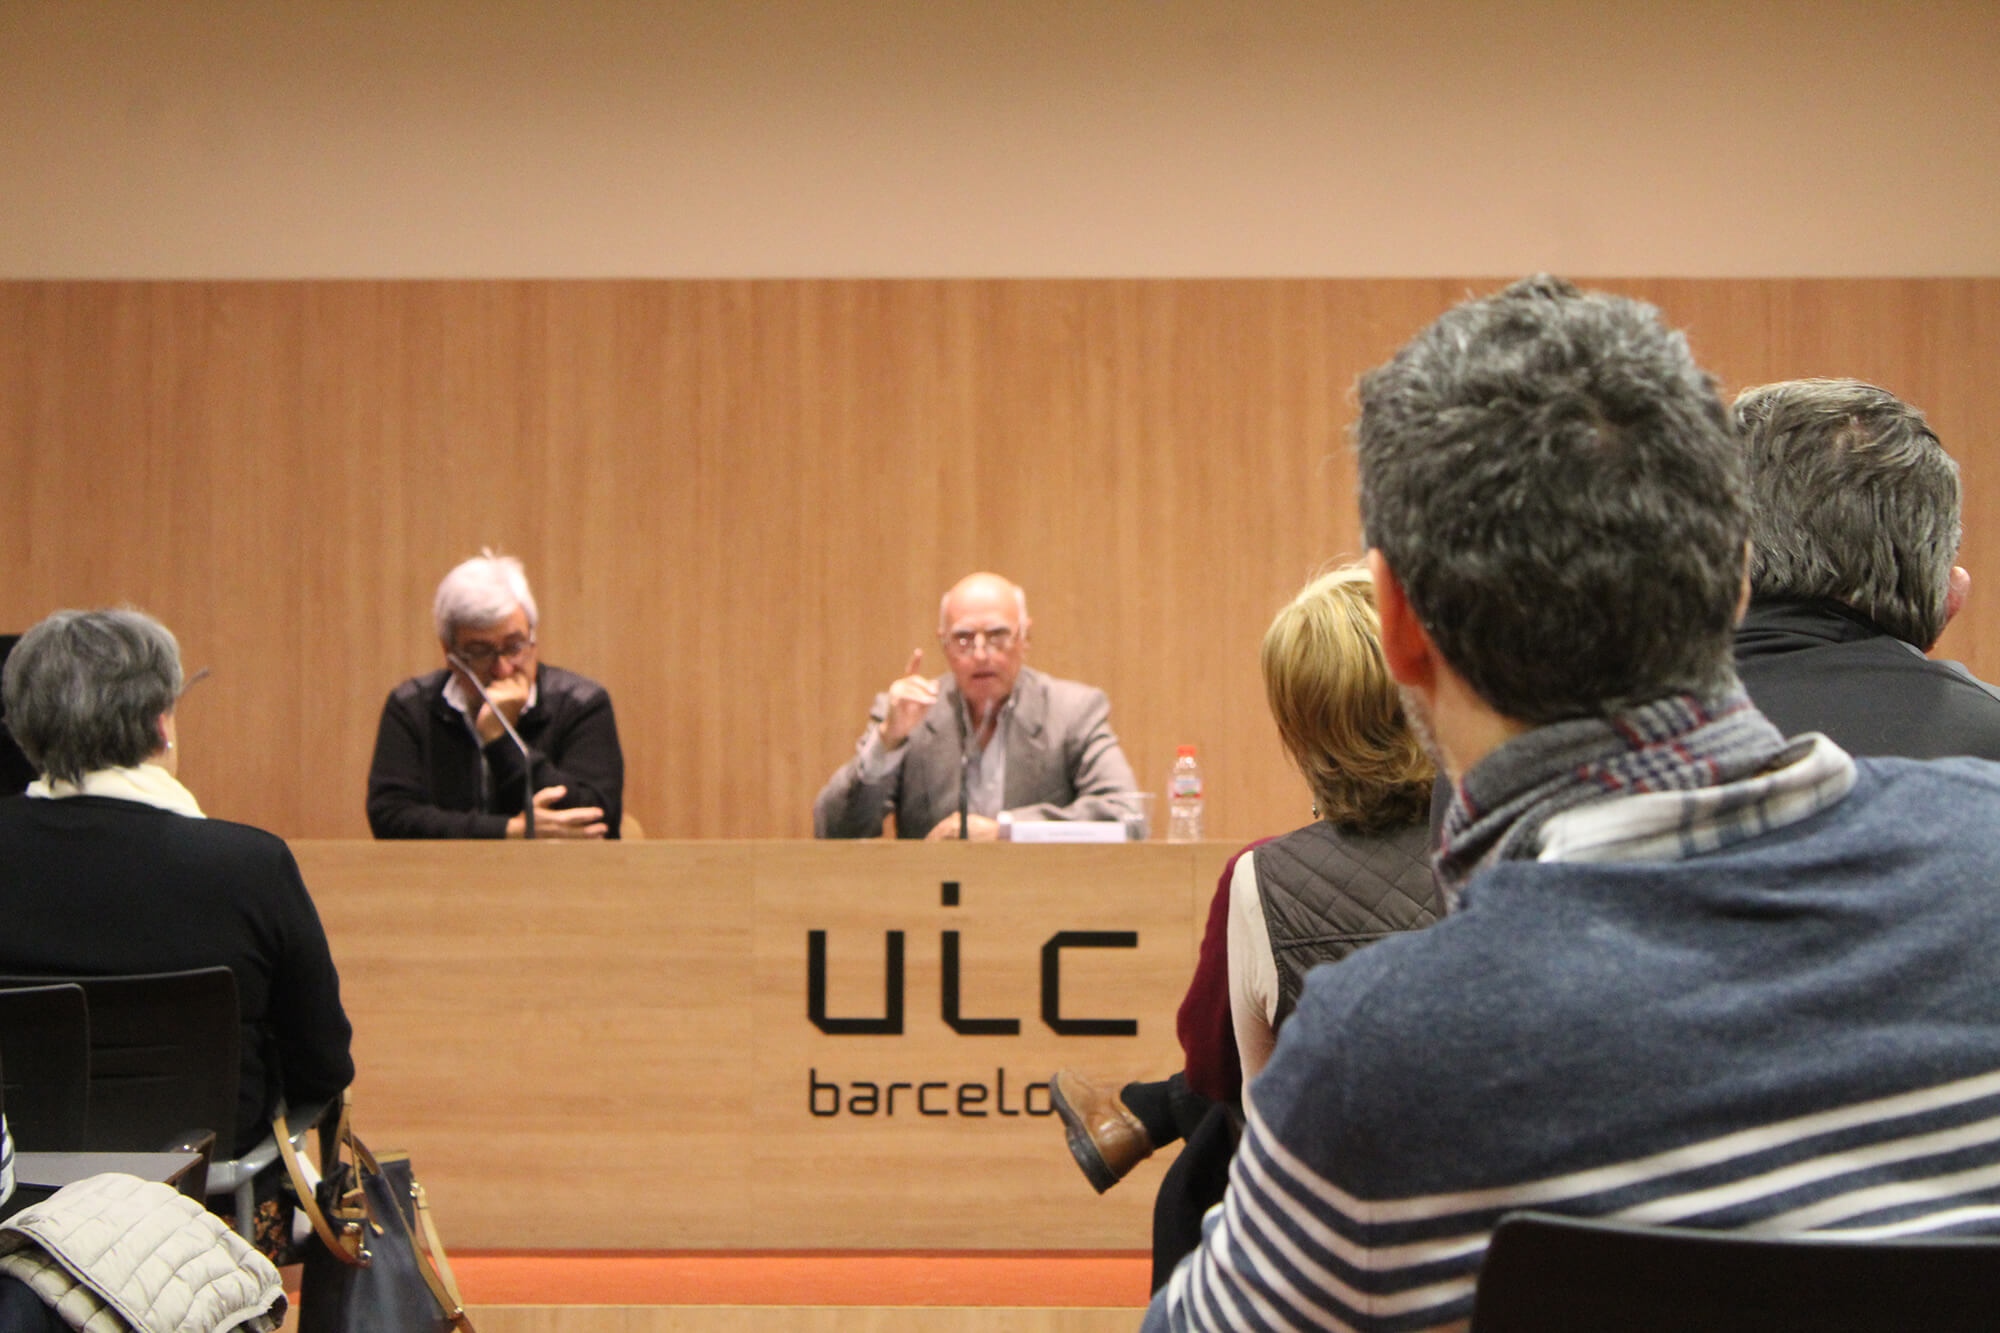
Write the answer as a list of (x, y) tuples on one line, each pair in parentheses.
[(891, 1021)]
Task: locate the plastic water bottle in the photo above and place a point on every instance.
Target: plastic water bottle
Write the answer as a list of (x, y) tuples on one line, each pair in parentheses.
[(1184, 798)]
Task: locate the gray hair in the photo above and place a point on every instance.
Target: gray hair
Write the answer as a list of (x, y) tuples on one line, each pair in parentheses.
[(84, 690), (1856, 501), (479, 592), (1554, 483)]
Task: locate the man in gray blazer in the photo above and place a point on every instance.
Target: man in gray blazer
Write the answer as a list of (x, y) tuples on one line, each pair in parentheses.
[(1038, 747)]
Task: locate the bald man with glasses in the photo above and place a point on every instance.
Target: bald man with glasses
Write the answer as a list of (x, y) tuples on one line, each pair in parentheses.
[(445, 765), (1023, 743)]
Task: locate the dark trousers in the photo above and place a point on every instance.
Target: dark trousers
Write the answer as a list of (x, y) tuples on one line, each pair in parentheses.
[(1169, 1109), (1194, 1184), (1172, 1111), (21, 1311)]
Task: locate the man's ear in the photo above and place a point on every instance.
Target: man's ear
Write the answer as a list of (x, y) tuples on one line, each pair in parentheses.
[(1956, 590), (1743, 597), (1406, 646)]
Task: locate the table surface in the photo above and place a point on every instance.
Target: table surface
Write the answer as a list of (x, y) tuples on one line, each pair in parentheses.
[(53, 1170)]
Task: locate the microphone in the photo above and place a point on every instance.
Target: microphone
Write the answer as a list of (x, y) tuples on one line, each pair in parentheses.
[(527, 760), (964, 770)]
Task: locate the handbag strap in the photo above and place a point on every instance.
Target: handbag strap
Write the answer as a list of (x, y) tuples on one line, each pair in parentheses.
[(436, 1265), (348, 1248), (425, 1246), (432, 1262)]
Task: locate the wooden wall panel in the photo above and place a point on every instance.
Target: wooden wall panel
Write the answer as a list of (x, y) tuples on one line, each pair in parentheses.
[(739, 501)]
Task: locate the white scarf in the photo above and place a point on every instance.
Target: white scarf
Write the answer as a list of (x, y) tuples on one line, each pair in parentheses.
[(148, 784)]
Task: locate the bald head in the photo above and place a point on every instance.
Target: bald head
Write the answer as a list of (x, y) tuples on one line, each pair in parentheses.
[(983, 587), (983, 625)]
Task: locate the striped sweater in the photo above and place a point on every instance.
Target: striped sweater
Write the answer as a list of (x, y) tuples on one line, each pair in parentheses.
[(1788, 1029)]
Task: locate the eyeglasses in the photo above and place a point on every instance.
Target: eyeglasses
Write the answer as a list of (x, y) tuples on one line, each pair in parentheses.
[(965, 641), (485, 654)]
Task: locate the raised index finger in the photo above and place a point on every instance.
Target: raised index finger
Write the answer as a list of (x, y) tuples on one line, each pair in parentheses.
[(916, 662)]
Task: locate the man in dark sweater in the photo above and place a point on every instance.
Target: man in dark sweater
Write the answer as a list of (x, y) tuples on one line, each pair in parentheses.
[(1698, 974), (1855, 527), (445, 765)]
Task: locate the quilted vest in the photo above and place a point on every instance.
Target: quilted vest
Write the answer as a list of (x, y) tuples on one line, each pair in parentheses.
[(1327, 893)]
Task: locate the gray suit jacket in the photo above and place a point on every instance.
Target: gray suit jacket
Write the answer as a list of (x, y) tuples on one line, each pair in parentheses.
[(1062, 761)]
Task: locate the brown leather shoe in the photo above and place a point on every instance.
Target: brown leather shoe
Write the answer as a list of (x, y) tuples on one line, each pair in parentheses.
[(1106, 1139)]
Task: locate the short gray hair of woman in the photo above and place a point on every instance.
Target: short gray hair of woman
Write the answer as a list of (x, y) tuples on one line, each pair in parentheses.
[(85, 690), (479, 592)]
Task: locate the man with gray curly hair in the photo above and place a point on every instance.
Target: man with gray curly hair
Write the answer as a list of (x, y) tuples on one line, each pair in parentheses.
[(445, 764), (1855, 528), (1697, 974)]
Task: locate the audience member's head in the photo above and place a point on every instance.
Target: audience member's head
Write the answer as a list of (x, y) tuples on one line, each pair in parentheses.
[(1554, 485), (983, 627), (1338, 712), (1855, 502), (89, 690), (485, 617)]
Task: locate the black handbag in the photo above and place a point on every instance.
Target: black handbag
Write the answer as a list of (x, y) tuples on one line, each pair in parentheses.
[(375, 1264)]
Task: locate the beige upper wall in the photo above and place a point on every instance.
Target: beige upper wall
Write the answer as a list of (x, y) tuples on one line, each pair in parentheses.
[(1033, 137)]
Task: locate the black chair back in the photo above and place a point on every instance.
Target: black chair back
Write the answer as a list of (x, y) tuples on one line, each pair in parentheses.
[(45, 1066), (15, 770), (1555, 1274), (164, 1056)]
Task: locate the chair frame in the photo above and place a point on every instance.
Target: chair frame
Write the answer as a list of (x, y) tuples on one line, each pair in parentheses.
[(111, 995)]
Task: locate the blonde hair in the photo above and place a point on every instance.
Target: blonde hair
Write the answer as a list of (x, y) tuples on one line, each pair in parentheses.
[(1337, 709)]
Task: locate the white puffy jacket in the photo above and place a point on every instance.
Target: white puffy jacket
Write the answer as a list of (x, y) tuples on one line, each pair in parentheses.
[(117, 1254)]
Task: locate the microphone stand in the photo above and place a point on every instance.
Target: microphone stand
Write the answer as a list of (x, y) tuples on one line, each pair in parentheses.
[(527, 760), (964, 771)]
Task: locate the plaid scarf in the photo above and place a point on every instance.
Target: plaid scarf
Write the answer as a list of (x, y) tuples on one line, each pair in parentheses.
[(1676, 743)]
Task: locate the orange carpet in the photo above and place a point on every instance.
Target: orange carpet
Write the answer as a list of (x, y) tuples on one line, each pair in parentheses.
[(815, 1278)]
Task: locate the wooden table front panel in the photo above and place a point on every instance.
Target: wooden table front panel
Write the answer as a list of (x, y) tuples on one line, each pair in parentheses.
[(609, 1047)]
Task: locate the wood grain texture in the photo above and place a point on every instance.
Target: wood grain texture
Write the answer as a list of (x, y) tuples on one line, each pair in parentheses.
[(739, 501), (605, 1047)]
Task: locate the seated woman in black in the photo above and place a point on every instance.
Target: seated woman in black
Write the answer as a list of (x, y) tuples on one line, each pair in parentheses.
[(107, 865)]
